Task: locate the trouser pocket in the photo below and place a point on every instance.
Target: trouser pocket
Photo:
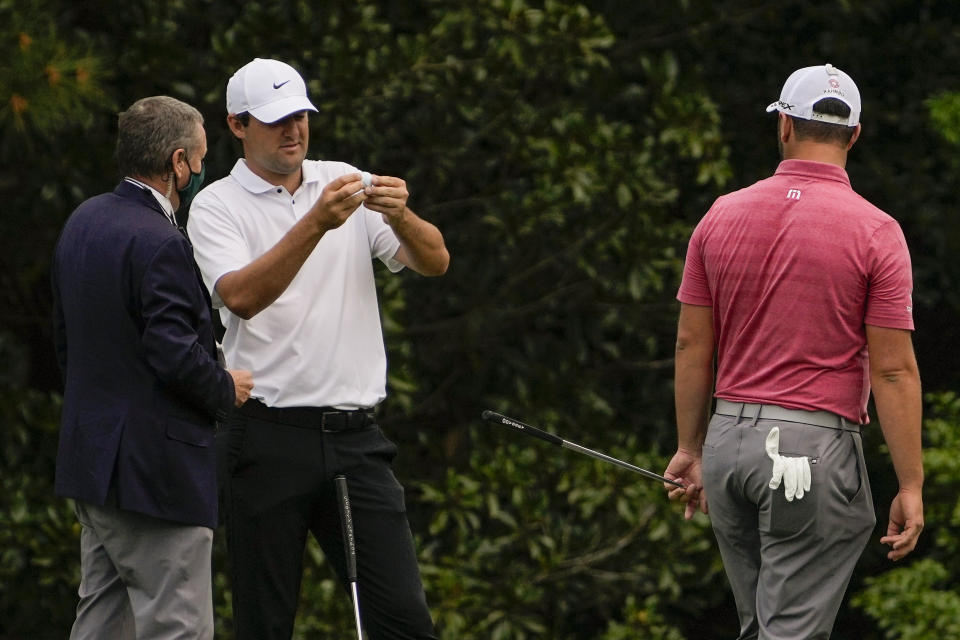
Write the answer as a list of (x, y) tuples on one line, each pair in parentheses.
[(778, 515)]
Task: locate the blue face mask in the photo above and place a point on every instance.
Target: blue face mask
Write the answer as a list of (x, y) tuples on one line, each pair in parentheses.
[(193, 186)]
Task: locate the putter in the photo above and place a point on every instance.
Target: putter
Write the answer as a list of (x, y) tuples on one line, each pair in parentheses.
[(516, 425), (349, 546)]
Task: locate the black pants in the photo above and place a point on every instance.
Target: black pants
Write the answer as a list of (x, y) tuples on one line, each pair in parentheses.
[(277, 467)]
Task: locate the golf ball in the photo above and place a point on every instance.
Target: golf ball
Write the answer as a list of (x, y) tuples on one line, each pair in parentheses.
[(366, 178)]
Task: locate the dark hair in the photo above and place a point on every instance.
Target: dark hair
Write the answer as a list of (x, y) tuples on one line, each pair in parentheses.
[(244, 119), (818, 131), (150, 131)]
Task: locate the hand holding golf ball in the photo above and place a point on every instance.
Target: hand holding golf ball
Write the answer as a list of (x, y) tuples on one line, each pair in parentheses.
[(387, 197), (337, 202), (366, 178)]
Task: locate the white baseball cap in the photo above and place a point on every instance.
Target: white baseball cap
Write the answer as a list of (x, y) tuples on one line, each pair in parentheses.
[(269, 90), (805, 87)]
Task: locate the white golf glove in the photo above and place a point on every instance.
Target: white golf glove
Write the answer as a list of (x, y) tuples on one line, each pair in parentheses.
[(795, 472)]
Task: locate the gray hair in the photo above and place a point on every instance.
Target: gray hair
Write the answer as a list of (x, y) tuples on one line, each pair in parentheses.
[(150, 131)]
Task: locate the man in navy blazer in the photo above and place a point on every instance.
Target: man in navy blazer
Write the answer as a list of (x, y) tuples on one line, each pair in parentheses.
[(142, 388)]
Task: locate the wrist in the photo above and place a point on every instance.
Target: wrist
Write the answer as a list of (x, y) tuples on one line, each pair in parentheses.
[(694, 451), (912, 486), (399, 221), (320, 226)]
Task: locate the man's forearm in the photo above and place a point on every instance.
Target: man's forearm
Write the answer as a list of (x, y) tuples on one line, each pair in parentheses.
[(250, 290), (895, 380), (693, 375), (694, 390), (421, 245), (897, 396)]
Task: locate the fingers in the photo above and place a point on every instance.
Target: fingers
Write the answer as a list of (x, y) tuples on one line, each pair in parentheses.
[(779, 467), (796, 478), (684, 467), (391, 182), (687, 493), (805, 477), (347, 179), (348, 190), (903, 532), (793, 472), (388, 195), (387, 188), (340, 198), (381, 188), (692, 496), (901, 544), (773, 443), (790, 478), (242, 384), (694, 502), (904, 525)]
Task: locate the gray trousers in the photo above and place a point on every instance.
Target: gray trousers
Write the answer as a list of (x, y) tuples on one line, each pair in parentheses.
[(142, 578), (788, 563)]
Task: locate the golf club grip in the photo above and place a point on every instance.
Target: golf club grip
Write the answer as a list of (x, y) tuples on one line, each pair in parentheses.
[(516, 425), (346, 521)]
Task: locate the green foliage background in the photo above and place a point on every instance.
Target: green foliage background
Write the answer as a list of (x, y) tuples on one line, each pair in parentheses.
[(565, 150)]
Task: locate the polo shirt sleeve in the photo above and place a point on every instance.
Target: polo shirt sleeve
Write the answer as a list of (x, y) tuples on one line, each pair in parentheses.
[(694, 288), (381, 238), (890, 284), (218, 244)]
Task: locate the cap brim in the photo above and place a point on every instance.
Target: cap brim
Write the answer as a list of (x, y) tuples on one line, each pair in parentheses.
[(281, 109), (773, 106)]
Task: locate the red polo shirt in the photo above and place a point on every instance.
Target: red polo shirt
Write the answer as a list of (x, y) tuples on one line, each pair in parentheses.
[(794, 266)]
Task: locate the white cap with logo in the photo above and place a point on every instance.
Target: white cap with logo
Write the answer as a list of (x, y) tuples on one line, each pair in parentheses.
[(269, 90), (805, 87)]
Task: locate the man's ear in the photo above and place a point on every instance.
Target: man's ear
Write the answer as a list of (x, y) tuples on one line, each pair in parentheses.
[(236, 128), (181, 165), (854, 137), (784, 127)]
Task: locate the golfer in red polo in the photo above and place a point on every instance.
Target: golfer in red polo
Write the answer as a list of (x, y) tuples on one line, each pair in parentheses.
[(801, 288)]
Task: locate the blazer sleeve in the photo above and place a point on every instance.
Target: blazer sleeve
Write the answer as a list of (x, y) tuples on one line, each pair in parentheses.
[(174, 311)]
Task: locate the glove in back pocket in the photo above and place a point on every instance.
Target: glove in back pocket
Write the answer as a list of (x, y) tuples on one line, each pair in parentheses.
[(778, 515)]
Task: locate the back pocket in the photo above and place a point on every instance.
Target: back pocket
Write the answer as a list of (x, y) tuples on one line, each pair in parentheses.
[(777, 515)]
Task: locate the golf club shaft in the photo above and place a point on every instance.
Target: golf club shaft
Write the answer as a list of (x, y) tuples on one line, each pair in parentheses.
[(349, 545), (516, 425), (356, 608), (620, 463)]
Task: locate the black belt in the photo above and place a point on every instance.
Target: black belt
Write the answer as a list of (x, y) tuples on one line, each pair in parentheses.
[(322, 418)]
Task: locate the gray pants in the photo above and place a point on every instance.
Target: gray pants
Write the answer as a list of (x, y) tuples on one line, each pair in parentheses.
[(142, 578), (788, 563)]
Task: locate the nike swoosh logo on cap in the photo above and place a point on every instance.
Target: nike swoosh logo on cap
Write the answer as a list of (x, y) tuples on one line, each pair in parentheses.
[(277, 86)]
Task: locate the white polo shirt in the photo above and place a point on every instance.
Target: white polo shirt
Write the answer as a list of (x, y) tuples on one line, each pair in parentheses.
[(320, 343)]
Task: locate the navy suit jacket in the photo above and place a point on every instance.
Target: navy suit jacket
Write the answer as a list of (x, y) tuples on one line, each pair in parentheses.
[(135, 344)]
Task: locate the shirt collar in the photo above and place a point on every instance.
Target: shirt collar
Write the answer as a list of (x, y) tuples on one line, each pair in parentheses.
[(810, 168), (255, 184), (165, 203)]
